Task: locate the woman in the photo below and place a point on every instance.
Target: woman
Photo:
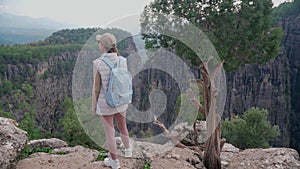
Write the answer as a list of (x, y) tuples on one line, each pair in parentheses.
[(107, 45)]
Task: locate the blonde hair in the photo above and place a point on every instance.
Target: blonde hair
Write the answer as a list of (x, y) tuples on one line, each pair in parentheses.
[(109, 42)]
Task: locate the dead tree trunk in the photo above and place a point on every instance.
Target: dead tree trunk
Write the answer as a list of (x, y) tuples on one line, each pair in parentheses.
[(211, 157), (213, 145)]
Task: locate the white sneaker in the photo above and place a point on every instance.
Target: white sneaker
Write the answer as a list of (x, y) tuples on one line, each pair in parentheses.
[(128, 151), (114, 164)]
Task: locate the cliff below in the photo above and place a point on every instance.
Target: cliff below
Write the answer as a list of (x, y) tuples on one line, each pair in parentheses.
[(273, 86), (47, 84), (263, 86)]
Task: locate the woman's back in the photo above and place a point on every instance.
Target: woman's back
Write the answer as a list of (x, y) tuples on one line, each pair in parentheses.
[(102, 107)]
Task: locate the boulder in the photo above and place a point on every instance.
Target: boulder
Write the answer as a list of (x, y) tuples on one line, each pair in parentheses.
[(228, 151), (186, 132), (75, 157), (272, 158), (68, 150), (12, 141), (186, 158), (47, 143)]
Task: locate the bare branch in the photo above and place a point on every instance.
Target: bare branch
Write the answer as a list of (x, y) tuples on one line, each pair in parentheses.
[(199, 105), (196, 81), (173, 138), (196, 102), (217, 70)]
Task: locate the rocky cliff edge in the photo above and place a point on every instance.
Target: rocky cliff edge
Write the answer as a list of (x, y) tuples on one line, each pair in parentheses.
[(13, 140)]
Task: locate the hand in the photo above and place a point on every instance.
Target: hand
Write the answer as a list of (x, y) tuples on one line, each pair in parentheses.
[(94, 112)]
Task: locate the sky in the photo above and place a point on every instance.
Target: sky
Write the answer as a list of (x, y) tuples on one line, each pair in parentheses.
[(83, 13)]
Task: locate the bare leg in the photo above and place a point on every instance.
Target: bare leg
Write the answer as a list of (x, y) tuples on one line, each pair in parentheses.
[(108, 124), (121, 123)]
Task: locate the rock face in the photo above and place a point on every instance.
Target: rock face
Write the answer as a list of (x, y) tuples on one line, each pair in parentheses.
[(263, 86), (51, 91), (50, 83), (12, 141), (273, 86), (291, 42), (167, 76)]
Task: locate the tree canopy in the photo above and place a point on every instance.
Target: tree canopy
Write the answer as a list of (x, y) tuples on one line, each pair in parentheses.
[(241, 31)]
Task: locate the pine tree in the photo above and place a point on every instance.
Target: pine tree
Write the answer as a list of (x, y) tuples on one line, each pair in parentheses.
[(73, 132), (253, 130)]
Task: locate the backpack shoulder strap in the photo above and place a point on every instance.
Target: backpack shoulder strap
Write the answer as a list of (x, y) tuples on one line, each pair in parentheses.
[(121, 60), (108, 62)]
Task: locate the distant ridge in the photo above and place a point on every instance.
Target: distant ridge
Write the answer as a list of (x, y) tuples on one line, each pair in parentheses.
[(15, 21), (16, 29)]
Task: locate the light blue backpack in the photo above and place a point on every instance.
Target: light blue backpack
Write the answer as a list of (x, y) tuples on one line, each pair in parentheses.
[(119, 91)]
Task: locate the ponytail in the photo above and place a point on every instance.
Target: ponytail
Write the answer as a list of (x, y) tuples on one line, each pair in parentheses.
[(114, 50)]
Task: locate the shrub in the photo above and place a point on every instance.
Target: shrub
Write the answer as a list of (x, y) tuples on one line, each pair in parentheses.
[(26, 152), (253, 130)]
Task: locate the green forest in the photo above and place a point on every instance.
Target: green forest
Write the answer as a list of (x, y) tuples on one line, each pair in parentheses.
[(19, 75)]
